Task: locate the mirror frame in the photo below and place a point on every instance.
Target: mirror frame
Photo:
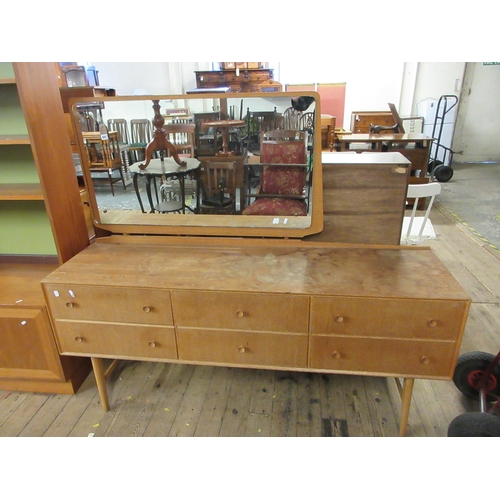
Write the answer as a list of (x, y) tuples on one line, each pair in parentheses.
[(201, 224)]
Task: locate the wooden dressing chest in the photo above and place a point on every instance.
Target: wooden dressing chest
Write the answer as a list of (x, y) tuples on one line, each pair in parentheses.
[(324, 307)]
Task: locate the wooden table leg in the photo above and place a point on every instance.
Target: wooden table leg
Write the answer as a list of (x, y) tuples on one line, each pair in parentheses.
[(405, 404), (101, 382)]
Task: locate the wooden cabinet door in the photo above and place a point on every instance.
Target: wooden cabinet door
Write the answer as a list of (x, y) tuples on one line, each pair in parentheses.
[(27, 347)]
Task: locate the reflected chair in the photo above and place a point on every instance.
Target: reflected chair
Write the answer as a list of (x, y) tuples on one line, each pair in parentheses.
[(258, 122), (284, 163), (103, 154), (140, 132), (120, 126), (291, 119), (207, 141), (417, 230), (306, 122), (219, 188), (182, 136)]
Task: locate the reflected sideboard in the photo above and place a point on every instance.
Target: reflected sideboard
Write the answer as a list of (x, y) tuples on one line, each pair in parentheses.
[(305, 306)]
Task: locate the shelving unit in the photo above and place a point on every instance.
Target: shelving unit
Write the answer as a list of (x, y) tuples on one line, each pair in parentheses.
[(22, 209), (41, 226)]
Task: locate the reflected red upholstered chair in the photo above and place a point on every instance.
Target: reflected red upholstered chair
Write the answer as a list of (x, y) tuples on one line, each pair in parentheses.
[(283, 177)]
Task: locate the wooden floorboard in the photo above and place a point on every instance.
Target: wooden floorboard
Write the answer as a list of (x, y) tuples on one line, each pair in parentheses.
[(159, 399)]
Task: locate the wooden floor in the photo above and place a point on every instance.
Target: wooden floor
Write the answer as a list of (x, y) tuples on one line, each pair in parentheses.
[(155, 399)]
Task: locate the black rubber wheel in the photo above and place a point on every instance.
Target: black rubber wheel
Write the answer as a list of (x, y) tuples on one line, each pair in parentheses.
[(432, 165), (475, 424), (470, 367), (442, 173)]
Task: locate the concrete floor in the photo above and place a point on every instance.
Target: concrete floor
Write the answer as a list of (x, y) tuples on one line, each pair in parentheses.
[(472, 198)]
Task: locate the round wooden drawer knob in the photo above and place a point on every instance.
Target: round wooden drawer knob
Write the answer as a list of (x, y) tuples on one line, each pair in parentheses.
[(78, 339), (146, 309), (70, 304), (241, 349), (424, 360), (432, 322), (335, 354), (339, 319), (152, 344), (240, 314)]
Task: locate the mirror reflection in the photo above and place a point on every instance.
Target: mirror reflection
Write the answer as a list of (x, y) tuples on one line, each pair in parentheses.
[(199, 161)]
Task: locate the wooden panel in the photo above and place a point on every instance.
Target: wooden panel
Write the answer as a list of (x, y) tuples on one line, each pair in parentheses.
[(256, 266), (27, 348), (116, 340), (243, 348), (125, 305), (420, 319), (47, 129), (277, 313), (363, 203), (411, 358)]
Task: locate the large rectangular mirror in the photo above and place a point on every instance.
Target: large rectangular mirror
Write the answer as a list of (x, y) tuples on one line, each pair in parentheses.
[(250, 138)]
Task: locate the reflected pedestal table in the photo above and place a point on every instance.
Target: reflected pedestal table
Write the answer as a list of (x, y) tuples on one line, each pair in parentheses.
[(163, 169)]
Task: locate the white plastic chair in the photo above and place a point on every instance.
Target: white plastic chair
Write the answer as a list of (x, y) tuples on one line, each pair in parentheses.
[(418, 229)]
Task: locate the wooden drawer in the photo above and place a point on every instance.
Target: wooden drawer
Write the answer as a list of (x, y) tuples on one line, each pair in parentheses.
[(242, 348), (112, 339), (398, 318), (396, 357), (124, 305), (242, 311)]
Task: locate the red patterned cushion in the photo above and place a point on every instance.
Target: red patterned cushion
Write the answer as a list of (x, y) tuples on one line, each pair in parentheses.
[(283, 180), (283, 152), (286, 179), (276, 206)]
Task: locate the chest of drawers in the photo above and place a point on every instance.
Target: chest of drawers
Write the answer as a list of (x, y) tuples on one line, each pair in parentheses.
[(297, 306), (241, 80)]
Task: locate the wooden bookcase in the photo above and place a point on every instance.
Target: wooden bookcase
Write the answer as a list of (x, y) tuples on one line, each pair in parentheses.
[(41, 220)]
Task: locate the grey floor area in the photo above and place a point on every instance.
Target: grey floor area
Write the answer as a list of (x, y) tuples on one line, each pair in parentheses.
[(472, 198)]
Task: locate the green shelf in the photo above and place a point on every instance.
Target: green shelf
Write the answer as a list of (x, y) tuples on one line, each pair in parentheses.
[(12, 120), (6, 71), (25, 229), (17, 165)]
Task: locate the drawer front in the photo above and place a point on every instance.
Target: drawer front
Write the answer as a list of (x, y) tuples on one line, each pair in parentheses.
[(111, 339), (123, 305), (242, 311), (398, 318), (417, 358), (242, 348)]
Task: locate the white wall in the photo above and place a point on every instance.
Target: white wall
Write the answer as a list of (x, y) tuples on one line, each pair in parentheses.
[(477, 128)]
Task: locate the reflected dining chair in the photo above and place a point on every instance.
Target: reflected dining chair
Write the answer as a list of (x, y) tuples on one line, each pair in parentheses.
[(120, 125), (219, 188), (182, 136), (284, 165), (103, 154), (141, 132)]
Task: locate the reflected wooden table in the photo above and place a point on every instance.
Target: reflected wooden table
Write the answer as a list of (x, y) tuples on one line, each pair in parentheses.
[(164, 168), (225, 125)]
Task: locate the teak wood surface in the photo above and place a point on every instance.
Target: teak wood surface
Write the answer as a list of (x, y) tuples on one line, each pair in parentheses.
[(253, 285)]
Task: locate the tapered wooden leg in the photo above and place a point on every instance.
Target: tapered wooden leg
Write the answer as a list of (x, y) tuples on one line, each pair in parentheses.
[(100, 378), (405, 404)]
